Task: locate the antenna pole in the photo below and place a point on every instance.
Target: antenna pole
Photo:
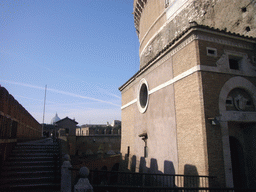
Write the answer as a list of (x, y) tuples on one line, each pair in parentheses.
[(44, 111)]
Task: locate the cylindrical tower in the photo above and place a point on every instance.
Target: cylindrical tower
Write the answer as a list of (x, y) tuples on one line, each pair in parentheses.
[(159, 21), (193, 99)]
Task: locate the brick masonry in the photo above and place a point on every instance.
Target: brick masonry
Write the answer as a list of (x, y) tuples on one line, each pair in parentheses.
[(188, 86), (176, 119)]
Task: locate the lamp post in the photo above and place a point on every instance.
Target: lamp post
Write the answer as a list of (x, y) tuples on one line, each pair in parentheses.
[(145, 138)]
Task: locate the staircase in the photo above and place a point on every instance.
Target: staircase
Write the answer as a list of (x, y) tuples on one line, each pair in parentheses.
[(32, 166)]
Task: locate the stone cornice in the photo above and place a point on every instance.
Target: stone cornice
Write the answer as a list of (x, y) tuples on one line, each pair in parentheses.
[(138, 7), (180, 42)]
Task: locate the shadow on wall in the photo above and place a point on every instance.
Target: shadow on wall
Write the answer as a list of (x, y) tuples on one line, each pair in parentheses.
[(157, 177), (167, 177), (133, 164), (191, 170)]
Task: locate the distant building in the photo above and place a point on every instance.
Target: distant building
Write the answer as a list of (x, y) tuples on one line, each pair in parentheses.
[(66, 127), (49, 130), (116, 123), (62, 127), (55, 119), (100, 129)]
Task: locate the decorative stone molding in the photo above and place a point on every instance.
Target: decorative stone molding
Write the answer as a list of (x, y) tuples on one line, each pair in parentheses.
[(224, 41), (245, 68), (158, 44), (235, 82), (241, 84), (180, 13), (222, 63), (238, 116), (225, 116), (143, 96), (137, 10)]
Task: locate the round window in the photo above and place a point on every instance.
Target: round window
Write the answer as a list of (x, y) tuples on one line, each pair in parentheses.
[(142, 99)]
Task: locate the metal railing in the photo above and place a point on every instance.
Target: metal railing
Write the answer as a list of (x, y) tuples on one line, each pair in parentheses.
[(148, 179), (98, 188), (115, 181)]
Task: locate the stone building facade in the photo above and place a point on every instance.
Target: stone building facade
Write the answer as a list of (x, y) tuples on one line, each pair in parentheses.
[(66, 127), (91, 146), (99, 129), (191, 108)]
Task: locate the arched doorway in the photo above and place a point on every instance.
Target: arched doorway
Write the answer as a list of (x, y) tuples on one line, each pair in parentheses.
[(237, 110), (238, 163)]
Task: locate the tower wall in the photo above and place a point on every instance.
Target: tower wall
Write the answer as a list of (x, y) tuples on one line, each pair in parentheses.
[(159, 22), (177, 106)]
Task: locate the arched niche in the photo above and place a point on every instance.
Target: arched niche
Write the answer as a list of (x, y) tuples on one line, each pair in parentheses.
[(234, 83), (242, 111), (239, 100)]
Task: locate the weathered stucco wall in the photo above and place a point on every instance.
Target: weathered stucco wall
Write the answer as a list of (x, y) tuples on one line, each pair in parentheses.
[(158, 122)]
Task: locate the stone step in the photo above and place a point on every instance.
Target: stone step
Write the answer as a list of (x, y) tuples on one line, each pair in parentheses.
[(32, 158), (38, 187), (33, 154), (36, 148), (24, 173), (37, 144), (28, 179), (35, 151), (28, 163), (30, 167)]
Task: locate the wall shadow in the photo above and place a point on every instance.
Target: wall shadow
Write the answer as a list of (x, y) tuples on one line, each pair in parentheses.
[(169, 169), (143, 166), (133, 164), (164, 176), (191, 179)]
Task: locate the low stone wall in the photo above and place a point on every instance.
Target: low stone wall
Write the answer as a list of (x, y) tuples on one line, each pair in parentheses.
[(91, 145), (106, 163)]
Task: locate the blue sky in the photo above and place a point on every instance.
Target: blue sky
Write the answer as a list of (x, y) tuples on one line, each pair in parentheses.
[(83, 50)]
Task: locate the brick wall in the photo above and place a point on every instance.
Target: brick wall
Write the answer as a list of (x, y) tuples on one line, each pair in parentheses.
[(15, 123)]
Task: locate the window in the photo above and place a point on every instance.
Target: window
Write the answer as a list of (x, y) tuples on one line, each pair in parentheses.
[(229, 101), (234, 62), (142, 98), (211, 51), (143, 95)]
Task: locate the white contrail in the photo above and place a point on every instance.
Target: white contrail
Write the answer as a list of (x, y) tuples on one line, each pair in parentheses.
[(58, 91), (41, 100)]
